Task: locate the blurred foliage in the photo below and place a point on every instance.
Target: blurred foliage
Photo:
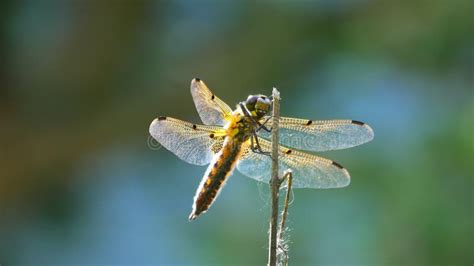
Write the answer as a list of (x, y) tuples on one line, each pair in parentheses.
[(82, 80)]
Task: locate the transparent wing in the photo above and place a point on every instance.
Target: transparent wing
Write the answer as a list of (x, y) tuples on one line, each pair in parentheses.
[(211, 109), (195, 144), (309, 171), (322, 135)]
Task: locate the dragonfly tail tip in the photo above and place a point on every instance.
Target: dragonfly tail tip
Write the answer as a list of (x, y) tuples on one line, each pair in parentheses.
[(192, 216)]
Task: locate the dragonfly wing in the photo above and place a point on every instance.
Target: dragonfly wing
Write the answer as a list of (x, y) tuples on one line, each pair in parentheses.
[(211, 109), (195, 144), (322, 135), (309, 171)]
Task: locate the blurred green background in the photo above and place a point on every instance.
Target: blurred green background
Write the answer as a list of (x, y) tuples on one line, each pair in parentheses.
[(82, 80)]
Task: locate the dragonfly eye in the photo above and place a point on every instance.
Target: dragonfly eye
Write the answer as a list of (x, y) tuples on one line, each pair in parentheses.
[(259, 104), (263, 104), (251, 100)]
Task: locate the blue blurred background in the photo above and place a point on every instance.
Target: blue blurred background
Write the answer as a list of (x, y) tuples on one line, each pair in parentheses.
[(82, 80)]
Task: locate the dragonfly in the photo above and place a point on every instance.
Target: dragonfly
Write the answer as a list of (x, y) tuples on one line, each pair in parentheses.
[(240, 139)]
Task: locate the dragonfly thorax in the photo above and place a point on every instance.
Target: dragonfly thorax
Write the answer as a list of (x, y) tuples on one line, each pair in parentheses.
[(239, 126)]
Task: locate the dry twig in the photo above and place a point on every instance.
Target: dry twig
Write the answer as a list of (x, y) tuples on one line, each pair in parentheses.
[(275, 180)]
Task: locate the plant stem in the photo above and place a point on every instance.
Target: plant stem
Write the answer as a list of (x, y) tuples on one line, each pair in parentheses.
[(288, 175), (275, 180), (283, 257)]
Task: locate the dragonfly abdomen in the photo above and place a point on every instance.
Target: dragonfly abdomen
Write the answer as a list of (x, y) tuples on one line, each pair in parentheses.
[(216, 175)]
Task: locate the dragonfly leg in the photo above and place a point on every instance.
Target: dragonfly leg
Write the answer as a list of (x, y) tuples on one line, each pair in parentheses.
[(256, 146), (244, 109), (252, 146), (262, 126)]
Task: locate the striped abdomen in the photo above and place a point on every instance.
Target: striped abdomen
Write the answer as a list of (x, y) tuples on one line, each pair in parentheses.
[(216, 175)]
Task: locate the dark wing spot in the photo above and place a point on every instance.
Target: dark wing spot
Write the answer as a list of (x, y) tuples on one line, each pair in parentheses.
[(213, 96), (358, 122), (161, 118), (337, 165), (194, 126), (197, 79), (309, 122), (211, 135), (288, 152)]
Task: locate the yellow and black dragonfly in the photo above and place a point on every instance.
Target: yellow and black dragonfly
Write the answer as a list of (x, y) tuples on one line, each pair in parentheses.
[(240, 139)]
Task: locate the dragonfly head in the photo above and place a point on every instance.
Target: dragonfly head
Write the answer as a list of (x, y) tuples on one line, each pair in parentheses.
[(258, 105)]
